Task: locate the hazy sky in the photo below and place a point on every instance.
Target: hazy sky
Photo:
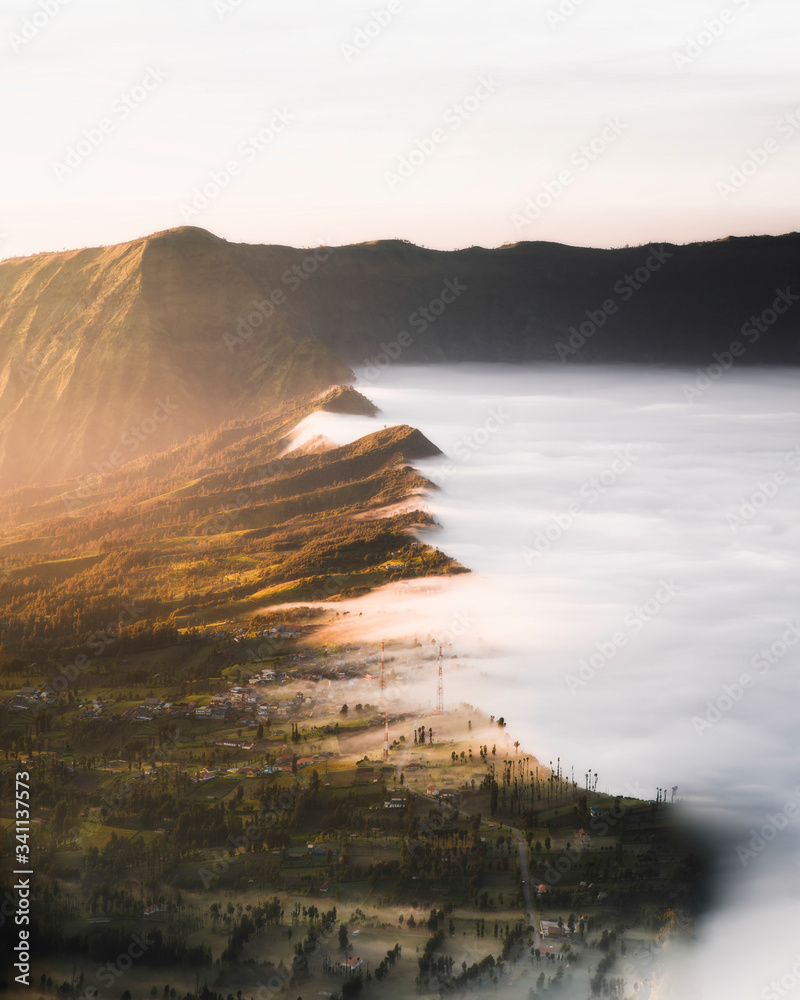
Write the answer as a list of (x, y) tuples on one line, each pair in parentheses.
[(674, 95)]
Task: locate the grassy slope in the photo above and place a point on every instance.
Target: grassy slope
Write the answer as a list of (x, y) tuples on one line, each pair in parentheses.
[(91, 341), (226, 520)]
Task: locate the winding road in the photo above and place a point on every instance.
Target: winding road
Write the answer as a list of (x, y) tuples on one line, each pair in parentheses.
[(525, 872)]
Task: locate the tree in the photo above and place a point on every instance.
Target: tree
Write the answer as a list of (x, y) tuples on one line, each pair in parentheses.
[(343, 710), (343, 940)]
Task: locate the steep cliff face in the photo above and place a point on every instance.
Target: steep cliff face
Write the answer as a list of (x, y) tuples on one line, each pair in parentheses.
[(120, 351), (110, 353)]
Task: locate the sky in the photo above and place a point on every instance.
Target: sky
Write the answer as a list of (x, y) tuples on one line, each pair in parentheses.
[(447, 123)]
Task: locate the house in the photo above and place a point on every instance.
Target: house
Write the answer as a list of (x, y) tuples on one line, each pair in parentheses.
[(394, 804), (551, 929), (432, 790)]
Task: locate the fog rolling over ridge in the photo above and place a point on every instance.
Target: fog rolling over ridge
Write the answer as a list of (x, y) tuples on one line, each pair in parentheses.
[(634, 602)]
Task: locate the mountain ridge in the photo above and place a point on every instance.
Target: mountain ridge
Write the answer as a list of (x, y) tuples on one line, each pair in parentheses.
[(95, 342)]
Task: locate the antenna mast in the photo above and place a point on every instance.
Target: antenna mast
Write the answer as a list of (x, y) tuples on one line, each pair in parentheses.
[(440, 689)]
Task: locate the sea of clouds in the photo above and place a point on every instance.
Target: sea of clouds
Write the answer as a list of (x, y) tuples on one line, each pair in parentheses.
[(633, 605)]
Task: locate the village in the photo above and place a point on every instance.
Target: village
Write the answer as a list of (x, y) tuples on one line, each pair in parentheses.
[(311, 774)]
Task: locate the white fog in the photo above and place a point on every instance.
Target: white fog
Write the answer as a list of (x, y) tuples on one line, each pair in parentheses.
[(633, 541)]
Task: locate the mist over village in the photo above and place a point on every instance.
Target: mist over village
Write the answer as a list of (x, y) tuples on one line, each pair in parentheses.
[(399, 460)]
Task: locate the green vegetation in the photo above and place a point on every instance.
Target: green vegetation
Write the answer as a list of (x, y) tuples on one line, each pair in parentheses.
[(243, 854), (230, 522)]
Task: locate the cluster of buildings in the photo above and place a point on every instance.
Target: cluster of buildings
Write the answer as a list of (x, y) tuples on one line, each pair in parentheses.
[(236, 632), (27, 698), (284, 764)]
